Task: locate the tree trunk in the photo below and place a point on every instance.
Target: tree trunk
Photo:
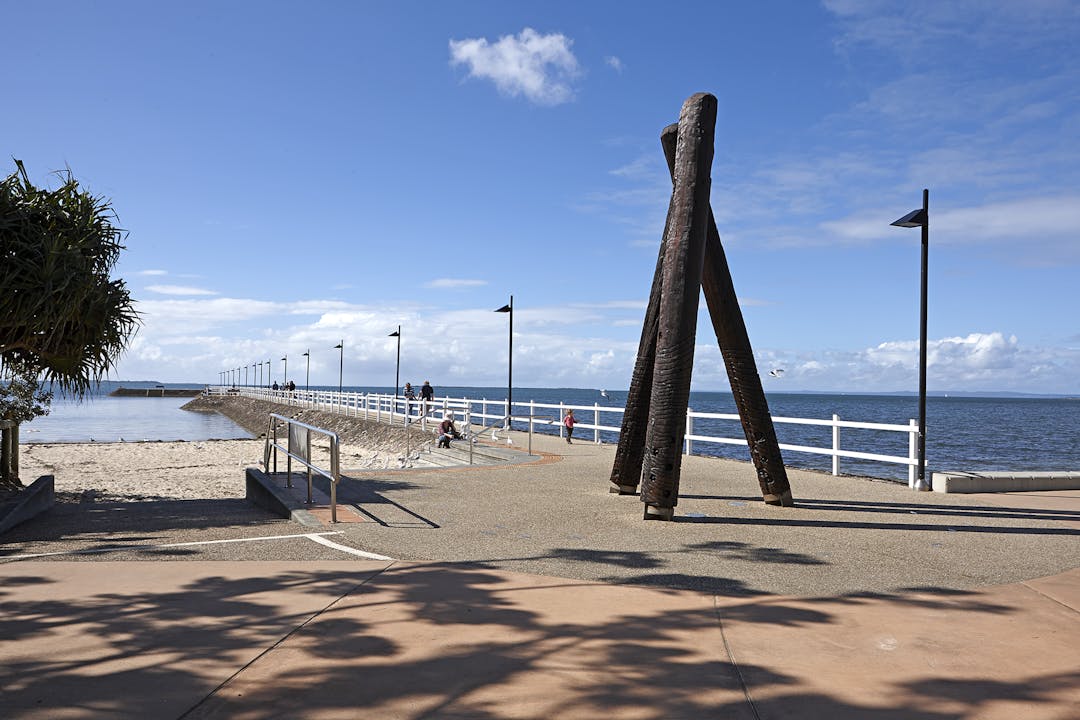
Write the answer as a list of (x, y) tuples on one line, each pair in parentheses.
[(683, 258), (9, 454)]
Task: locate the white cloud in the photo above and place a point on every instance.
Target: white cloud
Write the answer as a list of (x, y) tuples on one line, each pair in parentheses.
[(1046, 221), (614, 63), (454, 283), (178, 290), (152, 272), (973, 363), (540, 67)]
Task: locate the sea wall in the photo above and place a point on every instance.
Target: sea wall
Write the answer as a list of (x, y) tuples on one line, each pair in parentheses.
[(253, 415)]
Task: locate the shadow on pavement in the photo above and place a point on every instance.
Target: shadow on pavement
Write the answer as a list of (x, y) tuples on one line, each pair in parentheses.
[(433, 641)]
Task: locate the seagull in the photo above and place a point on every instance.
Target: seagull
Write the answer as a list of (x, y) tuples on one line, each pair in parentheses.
[(778, 372), (603, 394)]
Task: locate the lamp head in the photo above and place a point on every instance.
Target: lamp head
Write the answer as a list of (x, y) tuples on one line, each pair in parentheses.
[(915, 218)]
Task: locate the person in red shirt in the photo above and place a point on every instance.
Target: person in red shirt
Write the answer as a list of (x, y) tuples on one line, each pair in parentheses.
[(569, 423)]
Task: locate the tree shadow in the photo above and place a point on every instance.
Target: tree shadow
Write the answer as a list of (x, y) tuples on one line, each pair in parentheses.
[(114, 523), (422, 641)]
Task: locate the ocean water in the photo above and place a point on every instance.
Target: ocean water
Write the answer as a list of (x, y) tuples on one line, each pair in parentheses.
[(975, 434), (101, 418)]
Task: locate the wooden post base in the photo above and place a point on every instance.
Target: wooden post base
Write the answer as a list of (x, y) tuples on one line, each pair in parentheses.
[(652, 512), (623, 489), (784, 499)]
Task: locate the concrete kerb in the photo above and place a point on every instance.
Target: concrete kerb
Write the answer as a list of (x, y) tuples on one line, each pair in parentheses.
[(35, 499), (989, 482)]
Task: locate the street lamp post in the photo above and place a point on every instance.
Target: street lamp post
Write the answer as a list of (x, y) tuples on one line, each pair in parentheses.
[(397, 367), (285, 371), (921, 218), (307, 373), (341, 365), (509, 364)]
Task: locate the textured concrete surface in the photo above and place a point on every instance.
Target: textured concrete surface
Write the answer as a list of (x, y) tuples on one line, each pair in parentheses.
[(529, 591)]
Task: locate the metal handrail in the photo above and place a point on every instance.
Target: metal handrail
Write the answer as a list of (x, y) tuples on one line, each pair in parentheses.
[(334, 474)]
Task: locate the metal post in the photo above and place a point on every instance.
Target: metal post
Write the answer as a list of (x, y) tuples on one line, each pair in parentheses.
[(509, 363), (335, 470), (920, 483), (341, 365), (288, 457), (309, 466), (397, 367), (836, 444), (596, 423)]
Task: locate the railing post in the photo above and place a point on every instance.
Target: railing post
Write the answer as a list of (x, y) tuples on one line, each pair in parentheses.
[(596, 423), (335, 470), (562, 414), (532, 412), (913, 451), (836, 444), (689, 431), (288, 457), (309, 467)]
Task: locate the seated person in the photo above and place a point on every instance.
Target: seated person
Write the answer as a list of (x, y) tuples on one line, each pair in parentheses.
[(447, 431)]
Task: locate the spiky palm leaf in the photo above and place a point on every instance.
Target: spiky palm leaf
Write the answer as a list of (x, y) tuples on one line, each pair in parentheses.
[(61, 314)]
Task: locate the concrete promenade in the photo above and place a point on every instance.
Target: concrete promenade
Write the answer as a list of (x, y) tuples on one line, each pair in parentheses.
[(528, 591)]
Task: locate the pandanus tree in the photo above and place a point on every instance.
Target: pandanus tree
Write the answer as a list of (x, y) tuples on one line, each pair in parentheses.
[(64, 321)]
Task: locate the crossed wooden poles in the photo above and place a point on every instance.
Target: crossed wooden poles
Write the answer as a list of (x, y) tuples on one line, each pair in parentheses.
[(691, 256)]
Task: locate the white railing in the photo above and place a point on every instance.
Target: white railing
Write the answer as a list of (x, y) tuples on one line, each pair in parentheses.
[(391, 409)]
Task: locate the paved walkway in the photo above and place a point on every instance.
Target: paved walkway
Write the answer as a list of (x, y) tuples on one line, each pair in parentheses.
[(865, 601)]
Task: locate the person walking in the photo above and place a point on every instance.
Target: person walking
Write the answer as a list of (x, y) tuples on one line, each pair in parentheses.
[(569, 422)]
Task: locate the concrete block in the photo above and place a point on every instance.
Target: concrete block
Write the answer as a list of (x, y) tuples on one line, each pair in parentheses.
[(38, 497), (262, 491), (960, 482)]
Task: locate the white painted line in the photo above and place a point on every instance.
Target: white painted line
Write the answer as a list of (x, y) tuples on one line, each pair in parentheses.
[(346, 548), (123, 548)]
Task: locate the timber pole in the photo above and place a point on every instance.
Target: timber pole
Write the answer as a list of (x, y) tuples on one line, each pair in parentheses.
[(683, 259), (630, 452), (734, 341)]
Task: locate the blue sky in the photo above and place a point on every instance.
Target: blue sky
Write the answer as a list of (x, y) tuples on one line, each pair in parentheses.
[(295, 174)]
